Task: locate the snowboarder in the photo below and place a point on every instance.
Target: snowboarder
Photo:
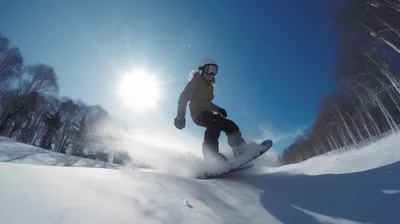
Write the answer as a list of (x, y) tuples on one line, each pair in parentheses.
[(199, 92)]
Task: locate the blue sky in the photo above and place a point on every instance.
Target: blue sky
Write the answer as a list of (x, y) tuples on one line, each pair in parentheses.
[(275, 57)]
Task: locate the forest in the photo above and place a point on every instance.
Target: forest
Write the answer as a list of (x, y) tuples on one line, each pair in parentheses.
[(364, 108), (366, 105), (31, 111)]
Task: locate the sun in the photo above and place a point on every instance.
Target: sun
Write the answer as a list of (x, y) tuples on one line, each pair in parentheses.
[(139, 90)]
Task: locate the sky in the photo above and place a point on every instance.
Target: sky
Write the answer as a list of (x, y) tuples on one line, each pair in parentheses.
[(275, 57)]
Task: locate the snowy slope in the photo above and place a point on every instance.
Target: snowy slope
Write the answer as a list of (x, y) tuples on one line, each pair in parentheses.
[(78, 195), (361, 186), (356, 187), (16, 152)]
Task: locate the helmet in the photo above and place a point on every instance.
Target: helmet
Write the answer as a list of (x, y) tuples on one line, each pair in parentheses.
[(207, 61), (208, 68)]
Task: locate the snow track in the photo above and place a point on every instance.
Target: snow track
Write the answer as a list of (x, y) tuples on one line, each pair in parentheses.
[(356, 187)]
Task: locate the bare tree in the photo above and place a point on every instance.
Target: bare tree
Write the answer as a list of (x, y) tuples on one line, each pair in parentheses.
[(53, 124), (38, 78), (11, 62), (70, 113)]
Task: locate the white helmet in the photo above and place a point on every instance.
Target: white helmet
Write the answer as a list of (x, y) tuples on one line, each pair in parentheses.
[(208, 68), (207, 61)]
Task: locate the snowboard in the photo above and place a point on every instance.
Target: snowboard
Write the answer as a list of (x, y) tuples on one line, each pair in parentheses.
[(242, 162), (243, 167)]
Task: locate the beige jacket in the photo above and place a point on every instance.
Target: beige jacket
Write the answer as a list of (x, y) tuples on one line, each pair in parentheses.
[(199, 93)]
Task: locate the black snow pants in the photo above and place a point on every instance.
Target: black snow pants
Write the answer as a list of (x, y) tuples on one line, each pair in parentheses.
[(214, 124)]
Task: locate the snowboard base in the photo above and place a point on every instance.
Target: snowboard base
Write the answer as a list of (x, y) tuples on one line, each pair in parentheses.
[(244, 167), (241, 163)]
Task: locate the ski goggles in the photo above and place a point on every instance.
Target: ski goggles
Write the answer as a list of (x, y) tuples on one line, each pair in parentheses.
[(210, 69)]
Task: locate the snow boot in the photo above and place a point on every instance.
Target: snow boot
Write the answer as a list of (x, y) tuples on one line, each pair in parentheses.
[(240, 149)]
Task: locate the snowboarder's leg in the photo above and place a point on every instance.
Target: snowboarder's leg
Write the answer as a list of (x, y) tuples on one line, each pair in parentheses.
[(232, 131), (211, 135)]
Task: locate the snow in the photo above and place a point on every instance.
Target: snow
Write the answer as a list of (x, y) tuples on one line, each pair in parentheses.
[(15, 152), (378, 154), (360, 186)]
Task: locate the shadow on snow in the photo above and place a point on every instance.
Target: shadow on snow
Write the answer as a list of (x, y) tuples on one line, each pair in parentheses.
[(371, 196)]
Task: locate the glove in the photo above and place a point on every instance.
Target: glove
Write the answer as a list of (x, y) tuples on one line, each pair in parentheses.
[(180, 122), (222, 112)]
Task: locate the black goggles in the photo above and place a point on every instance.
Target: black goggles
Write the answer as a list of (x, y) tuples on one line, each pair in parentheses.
[(210, 68)]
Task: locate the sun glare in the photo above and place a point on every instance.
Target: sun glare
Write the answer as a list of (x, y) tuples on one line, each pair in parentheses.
[(139, 90)]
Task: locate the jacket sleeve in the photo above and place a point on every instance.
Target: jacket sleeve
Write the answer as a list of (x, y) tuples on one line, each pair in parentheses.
[(215, 107), (186, 96)]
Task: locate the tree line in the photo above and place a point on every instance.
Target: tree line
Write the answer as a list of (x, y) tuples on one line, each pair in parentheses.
[(366, 105), (32, 112)]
